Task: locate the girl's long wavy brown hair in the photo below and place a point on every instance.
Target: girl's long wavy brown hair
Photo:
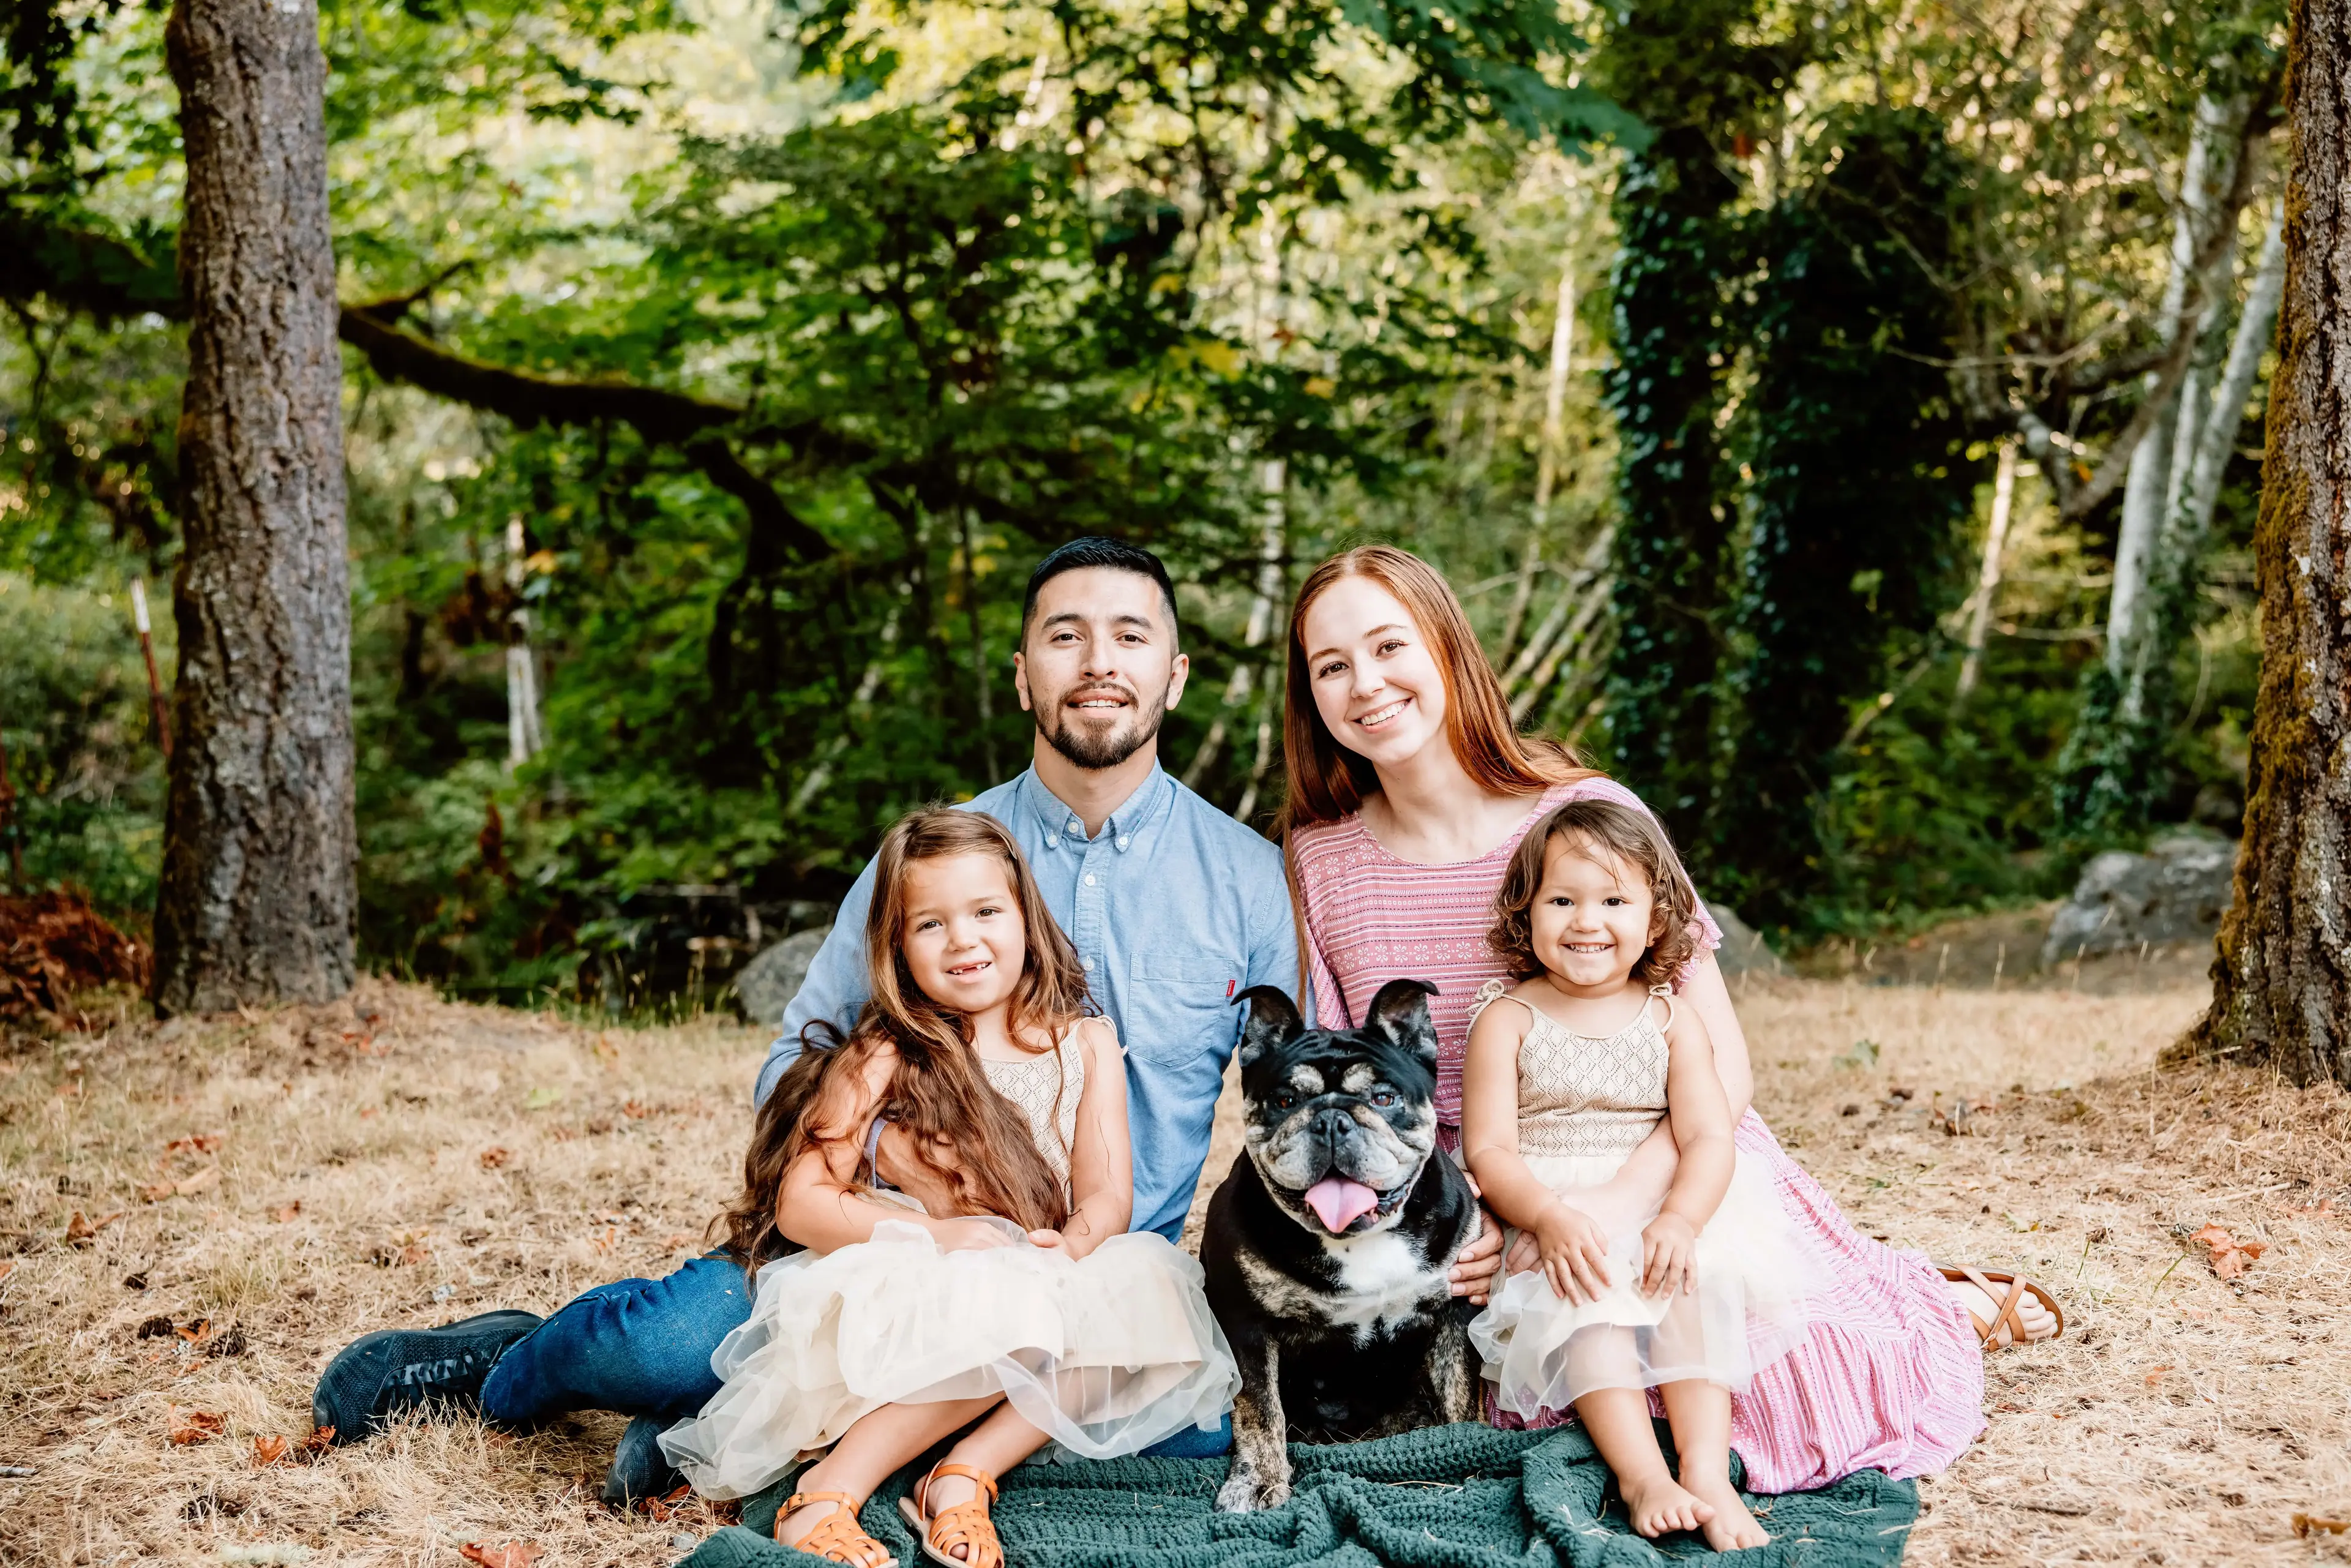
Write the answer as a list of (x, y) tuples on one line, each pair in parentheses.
[(973, 1139), (1633, 837), (1327, 780)]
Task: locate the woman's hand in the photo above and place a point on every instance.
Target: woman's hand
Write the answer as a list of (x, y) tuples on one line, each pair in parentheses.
[(1668, 1257), (1574, 1253), (1052, 1242), (1474, 1269), (970, 1234)]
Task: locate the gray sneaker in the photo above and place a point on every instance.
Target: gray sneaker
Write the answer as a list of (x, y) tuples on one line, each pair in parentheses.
[(378, 1375)]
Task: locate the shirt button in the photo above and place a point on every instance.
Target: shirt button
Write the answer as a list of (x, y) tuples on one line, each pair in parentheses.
[(1090, 965), (1076, 826), (1122, 843), (1089, 879), (1051, 842)]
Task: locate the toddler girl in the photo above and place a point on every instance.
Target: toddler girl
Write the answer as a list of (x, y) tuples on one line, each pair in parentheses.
[(1595, 914), (950, 1187)]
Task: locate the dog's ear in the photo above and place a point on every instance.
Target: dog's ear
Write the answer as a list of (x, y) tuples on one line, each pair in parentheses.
[(1401, 1012), (1273, 1021)]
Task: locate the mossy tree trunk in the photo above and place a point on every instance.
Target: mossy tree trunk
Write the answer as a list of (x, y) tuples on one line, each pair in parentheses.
[(2282, 982), (258, 897)]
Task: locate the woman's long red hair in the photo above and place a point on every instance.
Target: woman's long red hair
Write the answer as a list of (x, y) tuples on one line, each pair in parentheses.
[(1328, 781)]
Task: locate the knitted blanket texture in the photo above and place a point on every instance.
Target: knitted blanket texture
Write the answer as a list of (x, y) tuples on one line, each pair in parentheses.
[(1448, 1497)]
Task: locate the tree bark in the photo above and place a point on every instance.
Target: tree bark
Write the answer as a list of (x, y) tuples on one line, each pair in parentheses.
[(258, 894), (2282, 981)]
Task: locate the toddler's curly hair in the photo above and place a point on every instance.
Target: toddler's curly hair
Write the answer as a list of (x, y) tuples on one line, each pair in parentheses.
[(1634, 838)]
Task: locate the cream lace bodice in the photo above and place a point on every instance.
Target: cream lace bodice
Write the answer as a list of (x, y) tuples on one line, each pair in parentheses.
[(1579, 1094), (1046, 1087)]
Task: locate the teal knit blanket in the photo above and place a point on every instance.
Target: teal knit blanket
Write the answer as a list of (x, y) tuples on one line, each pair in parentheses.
[(1449, 1497)]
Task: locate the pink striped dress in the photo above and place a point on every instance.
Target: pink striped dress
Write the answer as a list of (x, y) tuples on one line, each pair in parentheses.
[(1889, 1377)]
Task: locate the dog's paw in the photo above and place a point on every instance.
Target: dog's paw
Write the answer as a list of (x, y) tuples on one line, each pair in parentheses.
[(1245, 1491)]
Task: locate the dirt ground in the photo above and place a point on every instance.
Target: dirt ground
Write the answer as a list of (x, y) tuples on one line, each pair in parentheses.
[(193, 1218)]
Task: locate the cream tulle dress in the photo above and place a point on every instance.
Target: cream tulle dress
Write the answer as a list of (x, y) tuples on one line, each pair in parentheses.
[(1584, 1104), (1108, 1353)]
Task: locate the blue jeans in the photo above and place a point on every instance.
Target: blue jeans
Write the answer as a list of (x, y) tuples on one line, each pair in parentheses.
[(642, 1347)]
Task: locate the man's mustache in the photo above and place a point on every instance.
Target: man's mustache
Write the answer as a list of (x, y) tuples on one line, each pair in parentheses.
[(1124, 693)]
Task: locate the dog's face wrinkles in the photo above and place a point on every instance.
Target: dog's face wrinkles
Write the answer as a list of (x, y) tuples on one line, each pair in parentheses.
[(1353, 1104)]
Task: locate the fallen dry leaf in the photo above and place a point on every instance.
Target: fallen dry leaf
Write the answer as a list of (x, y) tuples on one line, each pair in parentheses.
[(636, 1111), (2155, 1376), (80, 1232), (198, 1142), (7, 1268), (282, 1215), (183, 1426), (2305, 1524), (493, 1158), (674, 1243), (2229, 1256), (194, 1333), (267, 1452), (513, 1554), (202, 1181)]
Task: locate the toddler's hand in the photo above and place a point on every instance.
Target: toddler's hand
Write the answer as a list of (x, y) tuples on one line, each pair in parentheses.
[(969, 1235), (1668, 1256), (1574, 1253), (1052, 1242)]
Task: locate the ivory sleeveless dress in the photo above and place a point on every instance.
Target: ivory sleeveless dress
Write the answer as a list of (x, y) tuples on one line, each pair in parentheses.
[(1584, 1104), (1108, 1353)]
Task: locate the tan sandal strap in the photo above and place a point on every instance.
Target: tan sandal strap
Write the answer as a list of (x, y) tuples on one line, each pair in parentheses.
[(967, 1525), (971, 1473), (837, 1536)]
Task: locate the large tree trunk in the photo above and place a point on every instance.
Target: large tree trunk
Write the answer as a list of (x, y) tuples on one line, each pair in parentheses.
[(259, 847), (2282, 983)]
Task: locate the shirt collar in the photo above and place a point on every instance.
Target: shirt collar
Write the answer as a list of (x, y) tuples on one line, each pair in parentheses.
[(1059, 823)]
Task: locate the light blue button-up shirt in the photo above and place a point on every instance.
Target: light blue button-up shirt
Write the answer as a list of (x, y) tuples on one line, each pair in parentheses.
[(1175, 909)]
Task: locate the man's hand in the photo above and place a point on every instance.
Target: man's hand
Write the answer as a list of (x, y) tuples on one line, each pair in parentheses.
[(1574, 1252), (969, 1235)]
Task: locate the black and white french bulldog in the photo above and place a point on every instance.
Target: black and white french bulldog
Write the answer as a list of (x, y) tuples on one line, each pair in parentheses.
[(1329, 1247)]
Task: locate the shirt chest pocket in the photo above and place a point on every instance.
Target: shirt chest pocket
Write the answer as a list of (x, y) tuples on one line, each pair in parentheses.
[(1181, 1003)]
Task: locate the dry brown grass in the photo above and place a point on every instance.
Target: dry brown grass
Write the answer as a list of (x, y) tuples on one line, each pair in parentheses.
[(2179, 1420)]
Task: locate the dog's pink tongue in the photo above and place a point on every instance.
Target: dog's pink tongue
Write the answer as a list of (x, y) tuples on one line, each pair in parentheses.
[(1339, 1203)]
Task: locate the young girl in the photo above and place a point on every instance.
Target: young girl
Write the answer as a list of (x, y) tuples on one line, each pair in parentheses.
[(951, 1185), (1595, 915)]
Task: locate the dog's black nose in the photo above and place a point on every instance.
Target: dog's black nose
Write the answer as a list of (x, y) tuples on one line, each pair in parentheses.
[(1333, 1126)]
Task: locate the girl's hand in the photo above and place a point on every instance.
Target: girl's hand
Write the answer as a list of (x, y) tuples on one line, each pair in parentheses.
[(1574, 1253), (969, 1235), (1052, 1242), (1668, 1257)]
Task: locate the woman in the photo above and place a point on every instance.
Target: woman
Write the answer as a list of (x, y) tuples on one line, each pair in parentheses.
[(1409, 790)]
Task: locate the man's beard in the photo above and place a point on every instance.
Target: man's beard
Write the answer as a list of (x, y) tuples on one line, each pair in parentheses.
[(1095, 749)]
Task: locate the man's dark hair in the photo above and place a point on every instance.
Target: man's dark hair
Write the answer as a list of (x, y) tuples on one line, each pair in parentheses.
[(1093, 549)]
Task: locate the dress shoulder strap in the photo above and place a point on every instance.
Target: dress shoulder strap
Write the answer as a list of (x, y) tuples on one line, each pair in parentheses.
[(1496, 991), (1666, 995)]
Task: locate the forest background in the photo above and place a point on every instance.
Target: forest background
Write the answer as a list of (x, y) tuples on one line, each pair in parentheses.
[(1840, 418)]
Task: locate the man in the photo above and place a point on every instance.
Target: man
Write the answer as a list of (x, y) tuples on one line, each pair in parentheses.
[(1175, 909)]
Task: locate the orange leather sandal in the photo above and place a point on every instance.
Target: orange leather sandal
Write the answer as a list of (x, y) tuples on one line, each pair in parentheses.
[(966, 1524), (837, 1537)]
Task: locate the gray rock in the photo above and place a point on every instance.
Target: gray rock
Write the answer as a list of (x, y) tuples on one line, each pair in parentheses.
[(2174, 893), (767, 985), (1743, 950)]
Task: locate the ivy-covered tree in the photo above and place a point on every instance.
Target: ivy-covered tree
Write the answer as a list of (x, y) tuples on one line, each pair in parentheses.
[(1858, 480)]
